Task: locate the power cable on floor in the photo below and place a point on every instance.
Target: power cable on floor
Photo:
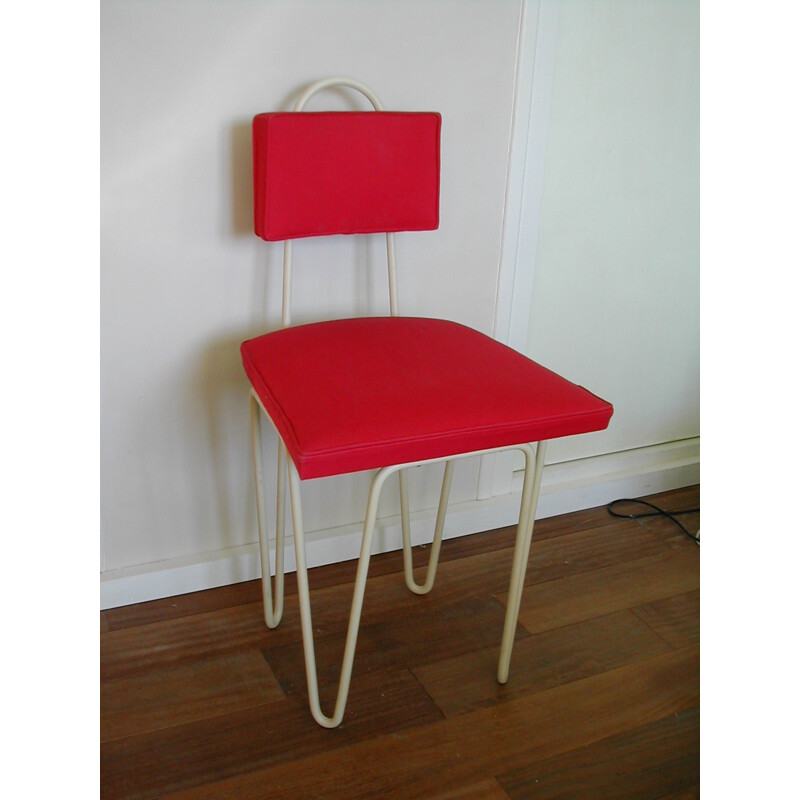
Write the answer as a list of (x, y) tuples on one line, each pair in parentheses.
[(656, 512)]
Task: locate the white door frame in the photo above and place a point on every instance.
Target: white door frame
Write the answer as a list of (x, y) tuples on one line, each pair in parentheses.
[(533, 83)]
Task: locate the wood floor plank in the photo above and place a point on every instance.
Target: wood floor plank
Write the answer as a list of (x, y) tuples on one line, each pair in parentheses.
[(397, 642), (550, 559), (179, 641), (173, 642), (188, 756), (485, 742), (553, 658), (642, 764), (669, 532), (549, 605), (176, 696), (675, 619), (485, 790), (690, 793), (574, 522), (190, 707), (587, 551), (183, 605)]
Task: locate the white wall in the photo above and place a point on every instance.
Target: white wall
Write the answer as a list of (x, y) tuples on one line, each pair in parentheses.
[(184, 280)]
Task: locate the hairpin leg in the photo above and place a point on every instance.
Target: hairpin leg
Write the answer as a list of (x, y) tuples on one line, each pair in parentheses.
[(408, 567), (355, 609), (272, 614), (527, 513), (534, 463)]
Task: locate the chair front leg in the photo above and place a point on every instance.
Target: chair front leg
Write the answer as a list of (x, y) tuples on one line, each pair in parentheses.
[(405, 523), (272, 613), (355, 609), (530, 495)]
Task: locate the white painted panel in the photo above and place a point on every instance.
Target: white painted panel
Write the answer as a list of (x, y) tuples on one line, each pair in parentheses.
[(615, 303)]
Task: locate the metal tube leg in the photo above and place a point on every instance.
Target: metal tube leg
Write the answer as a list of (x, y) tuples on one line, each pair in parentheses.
[(272, 613), (530, 496), (408, 567), (355, 609)]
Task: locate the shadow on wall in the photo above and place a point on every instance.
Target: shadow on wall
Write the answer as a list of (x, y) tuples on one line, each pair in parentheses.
[(242, 179), (222, 388)]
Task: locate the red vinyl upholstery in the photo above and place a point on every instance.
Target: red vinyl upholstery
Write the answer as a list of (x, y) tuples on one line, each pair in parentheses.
[(323, 173), (357, 394)]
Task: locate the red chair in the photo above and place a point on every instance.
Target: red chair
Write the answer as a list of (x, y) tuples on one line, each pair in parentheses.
[(382, 393)]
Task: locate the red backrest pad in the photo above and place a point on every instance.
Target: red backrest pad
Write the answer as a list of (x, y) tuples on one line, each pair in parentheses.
[(321, 173)]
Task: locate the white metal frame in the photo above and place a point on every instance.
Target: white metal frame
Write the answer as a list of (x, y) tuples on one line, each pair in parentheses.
[(273, 596)]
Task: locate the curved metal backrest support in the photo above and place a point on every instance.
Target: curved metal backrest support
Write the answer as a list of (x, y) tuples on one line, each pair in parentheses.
[(286, 307), (327, 83)]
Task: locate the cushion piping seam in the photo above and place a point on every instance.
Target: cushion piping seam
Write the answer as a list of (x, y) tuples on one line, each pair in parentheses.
[(420, 439), (433, 437)]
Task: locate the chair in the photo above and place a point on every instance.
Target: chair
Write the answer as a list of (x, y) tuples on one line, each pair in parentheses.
[(414, 391)]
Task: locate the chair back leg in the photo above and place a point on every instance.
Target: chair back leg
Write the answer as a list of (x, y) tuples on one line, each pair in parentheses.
[(405, 523)]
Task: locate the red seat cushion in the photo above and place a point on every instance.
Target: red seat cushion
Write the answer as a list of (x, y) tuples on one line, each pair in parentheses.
[(328, 172), (357, 394)]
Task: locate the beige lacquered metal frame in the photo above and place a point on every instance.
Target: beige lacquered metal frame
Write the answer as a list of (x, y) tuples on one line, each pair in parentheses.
[(273, 596)]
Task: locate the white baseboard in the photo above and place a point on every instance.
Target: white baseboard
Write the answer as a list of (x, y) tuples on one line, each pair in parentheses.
[(566, 487)]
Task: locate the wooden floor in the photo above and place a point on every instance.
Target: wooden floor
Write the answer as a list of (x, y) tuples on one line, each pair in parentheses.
[(199, 699)]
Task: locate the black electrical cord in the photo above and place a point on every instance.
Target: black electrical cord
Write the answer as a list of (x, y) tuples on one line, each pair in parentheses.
[(657, 512)]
